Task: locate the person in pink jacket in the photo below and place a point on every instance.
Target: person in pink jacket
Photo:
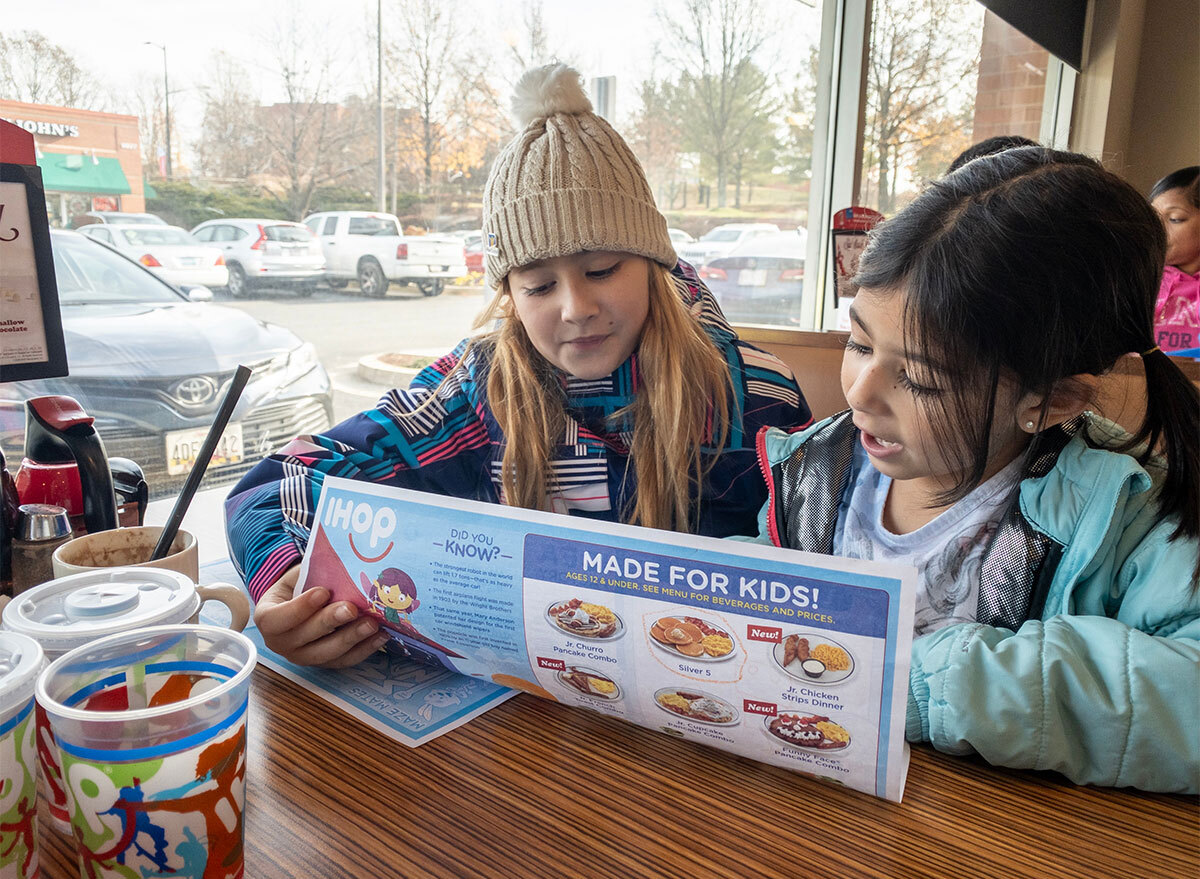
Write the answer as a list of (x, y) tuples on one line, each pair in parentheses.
[(1177, 312)]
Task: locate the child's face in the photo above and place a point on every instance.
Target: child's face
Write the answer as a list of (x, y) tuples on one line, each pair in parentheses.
[(1182, 220), (393, 597), (584, 312), (893, 398)]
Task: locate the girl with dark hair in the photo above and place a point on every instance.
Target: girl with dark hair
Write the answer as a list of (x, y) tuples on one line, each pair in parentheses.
[(1177, 312), (1058, 617)]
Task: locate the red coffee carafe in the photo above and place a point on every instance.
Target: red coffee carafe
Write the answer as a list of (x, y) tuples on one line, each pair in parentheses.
[(65, 464)]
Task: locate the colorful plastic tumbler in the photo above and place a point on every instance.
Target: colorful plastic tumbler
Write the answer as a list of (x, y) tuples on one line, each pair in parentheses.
[(21, 659), (151, 732)]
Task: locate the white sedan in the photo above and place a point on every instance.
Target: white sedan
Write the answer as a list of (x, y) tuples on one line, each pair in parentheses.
[(168, 251)]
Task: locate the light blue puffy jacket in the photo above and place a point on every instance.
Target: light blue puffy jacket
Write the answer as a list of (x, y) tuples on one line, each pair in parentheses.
[(1105, 686)]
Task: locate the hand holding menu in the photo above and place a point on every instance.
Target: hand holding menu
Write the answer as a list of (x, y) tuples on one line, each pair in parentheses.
[(794, 659)]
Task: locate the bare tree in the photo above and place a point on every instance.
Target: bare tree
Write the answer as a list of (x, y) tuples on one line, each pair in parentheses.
[(37, 71), (656, 139), (307, 137), (532, 47), (231, 143), (919, 53), (426, 74), (724, 89)]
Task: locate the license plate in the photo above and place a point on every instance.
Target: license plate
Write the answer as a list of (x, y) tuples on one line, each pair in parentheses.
[(752, 278), (189, 260), (183, 448)]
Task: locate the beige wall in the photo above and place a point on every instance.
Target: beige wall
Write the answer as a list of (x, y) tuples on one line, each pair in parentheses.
[(1164, 134), (1137, 104)]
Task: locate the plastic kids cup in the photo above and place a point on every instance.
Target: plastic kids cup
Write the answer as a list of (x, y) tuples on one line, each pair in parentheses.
[(151, 733), (69, 612), (20, 661)]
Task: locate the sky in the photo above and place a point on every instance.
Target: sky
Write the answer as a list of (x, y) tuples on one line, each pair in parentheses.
[(108, 38)]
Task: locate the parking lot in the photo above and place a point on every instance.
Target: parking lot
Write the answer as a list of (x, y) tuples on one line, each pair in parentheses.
[(345, 325)]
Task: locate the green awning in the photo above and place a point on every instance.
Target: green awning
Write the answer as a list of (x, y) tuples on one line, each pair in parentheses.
[(148, 190), (77, 172)]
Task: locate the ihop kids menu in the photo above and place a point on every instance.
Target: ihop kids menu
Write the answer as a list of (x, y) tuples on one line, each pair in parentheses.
[(790, 658)]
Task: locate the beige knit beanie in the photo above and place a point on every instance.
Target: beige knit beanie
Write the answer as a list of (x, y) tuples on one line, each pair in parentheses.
[(567, 182)]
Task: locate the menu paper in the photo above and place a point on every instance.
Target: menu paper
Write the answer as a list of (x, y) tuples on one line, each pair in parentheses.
[(22, 333), (794, 659)]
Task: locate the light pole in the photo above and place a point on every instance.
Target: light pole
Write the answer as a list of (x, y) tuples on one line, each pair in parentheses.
[(379, 98), (166, 101)]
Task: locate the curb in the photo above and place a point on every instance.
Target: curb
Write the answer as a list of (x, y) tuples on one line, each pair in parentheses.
[(375, 370)]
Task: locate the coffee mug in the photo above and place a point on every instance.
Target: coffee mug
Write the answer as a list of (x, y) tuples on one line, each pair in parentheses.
[(124, 548)]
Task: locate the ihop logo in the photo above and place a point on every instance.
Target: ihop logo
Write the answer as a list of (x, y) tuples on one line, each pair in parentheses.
[(361, 519)]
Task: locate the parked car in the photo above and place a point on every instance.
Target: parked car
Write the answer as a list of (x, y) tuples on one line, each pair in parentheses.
[(722, 239), (168, 251), (472, 250), (761, 280), (151, 367), (371, 248), (120, 217), (679, 237), (265, 253)]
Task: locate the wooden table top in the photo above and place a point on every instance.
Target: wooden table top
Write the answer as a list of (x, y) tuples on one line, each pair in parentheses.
[(538, 789)]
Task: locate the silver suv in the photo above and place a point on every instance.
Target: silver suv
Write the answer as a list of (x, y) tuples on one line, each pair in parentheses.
[(265, 253)]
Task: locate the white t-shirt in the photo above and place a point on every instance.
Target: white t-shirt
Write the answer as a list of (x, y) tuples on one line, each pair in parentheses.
[(947, 551)]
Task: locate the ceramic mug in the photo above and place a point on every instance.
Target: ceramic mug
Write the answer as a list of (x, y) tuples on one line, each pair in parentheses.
[(125, 548)]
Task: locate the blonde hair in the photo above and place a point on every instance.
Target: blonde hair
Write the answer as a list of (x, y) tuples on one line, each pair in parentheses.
[(680, 409)]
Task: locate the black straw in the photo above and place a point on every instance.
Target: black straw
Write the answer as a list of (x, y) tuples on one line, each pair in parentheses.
[(167, 537)]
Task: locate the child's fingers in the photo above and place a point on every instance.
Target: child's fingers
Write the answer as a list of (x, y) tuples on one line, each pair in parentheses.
[(359, 652), (277, 613), (346, 645)]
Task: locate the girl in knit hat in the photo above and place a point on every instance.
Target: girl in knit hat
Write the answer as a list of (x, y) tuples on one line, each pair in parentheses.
[(613, 388)]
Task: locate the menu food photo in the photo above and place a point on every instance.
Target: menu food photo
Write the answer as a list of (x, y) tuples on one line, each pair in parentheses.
[(793, 659)]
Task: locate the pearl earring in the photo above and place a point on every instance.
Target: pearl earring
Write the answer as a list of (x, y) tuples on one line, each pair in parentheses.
[(1029, 425)]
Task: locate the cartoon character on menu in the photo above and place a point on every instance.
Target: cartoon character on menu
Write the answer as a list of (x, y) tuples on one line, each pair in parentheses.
[(392, 594)]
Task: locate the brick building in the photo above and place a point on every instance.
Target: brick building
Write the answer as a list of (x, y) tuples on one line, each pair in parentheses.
[(89, 160)]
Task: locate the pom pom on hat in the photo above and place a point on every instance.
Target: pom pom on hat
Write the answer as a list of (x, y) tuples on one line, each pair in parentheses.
[(544, 91)]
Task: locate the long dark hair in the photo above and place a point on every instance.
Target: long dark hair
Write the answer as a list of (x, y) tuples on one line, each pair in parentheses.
[(1036, 265)]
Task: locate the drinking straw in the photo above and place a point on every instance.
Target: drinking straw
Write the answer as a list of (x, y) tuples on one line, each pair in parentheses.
[(197, 472)]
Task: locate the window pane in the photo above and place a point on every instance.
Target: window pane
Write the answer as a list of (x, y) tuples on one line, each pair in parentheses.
[(941, 75)]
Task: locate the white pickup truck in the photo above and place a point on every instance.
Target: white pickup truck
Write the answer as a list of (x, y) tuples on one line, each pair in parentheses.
[(369, 247)]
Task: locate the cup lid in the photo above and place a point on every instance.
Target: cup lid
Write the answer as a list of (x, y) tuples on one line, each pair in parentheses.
[(71, 611), (21, 658)]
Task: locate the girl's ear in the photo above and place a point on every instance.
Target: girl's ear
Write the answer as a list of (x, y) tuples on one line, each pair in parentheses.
[(1070, 396)]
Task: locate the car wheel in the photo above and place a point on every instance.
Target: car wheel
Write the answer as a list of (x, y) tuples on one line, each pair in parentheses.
[(238, 285), (303, 291), (336, 283), (371, 279), (431, 288)]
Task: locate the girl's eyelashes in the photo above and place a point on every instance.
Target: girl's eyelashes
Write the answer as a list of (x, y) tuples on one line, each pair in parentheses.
[(856, 347), (592, 275), (600, 274), (916, 389)]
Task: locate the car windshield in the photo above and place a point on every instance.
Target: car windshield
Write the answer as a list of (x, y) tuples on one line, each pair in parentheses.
[(722, 235), (156, 235), (293, 234), (87, 273), (373, 226)]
